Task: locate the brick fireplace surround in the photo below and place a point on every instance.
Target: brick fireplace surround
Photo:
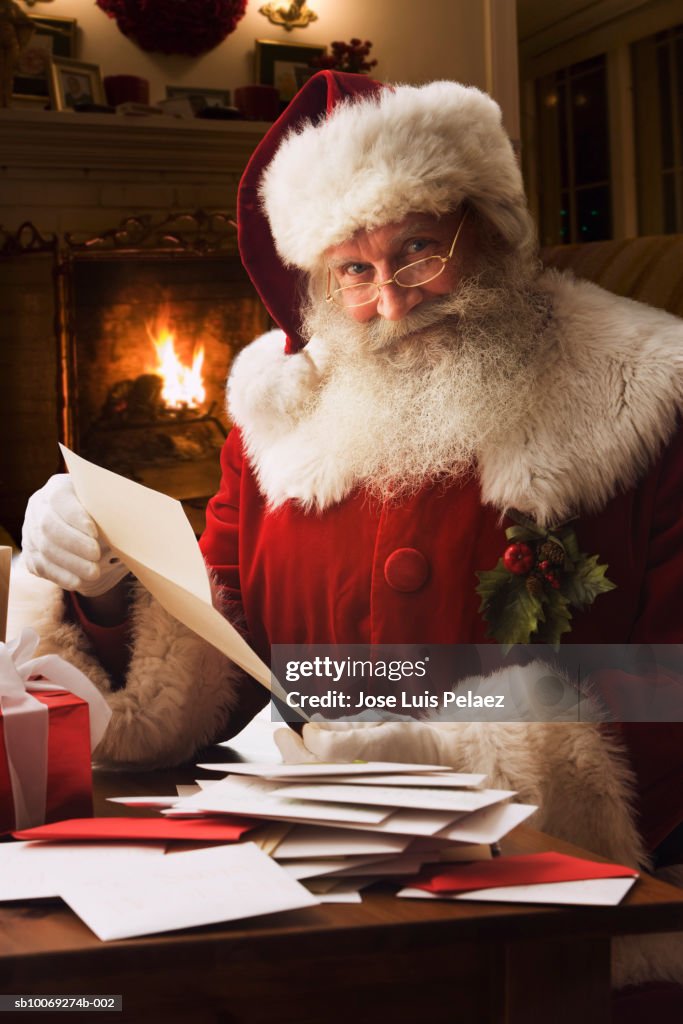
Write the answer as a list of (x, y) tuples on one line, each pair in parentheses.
[(84, 174)]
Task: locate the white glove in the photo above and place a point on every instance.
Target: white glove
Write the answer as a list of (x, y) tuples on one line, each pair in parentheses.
[(405, 741), (60, 542)]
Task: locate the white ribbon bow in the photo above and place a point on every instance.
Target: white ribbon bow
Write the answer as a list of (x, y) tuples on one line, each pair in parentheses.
[(25, 719)]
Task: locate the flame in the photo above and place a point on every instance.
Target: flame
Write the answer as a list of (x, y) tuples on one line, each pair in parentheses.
[(183, 386)]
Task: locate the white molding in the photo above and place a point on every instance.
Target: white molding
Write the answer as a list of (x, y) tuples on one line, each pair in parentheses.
[(586, 19), (622, 144), (604, 26), (502, 71)]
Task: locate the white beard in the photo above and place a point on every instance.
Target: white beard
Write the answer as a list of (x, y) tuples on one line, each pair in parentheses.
[(413, 402)]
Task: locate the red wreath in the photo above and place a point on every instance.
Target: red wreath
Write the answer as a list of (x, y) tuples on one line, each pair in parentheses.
[(189, 27)]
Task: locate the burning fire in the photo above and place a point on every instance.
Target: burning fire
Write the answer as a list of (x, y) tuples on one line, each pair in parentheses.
[(183, 387)]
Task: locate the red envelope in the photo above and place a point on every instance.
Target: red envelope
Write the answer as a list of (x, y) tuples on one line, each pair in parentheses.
[(525, 869), (69, 775), (78, 829)]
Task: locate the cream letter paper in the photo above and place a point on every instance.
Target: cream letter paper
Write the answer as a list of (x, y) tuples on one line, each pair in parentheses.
[(152, 536)]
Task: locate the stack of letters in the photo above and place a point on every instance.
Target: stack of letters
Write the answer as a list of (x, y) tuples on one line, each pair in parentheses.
[(291, 836), (339, 827)]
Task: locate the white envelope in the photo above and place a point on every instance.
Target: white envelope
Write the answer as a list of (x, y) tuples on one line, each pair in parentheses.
[(184, 890), (454, 780), (407, 864), (400, 823), (315, 868), (339, 896), (457, 801), (37, 870), (488, 825), (310, 841), (323, 770), (144, 801), (261, 799)]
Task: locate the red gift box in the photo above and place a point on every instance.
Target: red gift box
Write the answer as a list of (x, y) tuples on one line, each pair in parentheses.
[(69, 772)]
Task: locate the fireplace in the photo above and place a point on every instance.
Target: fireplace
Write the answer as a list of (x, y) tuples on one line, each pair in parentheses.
[(149, 316), (155, 314)]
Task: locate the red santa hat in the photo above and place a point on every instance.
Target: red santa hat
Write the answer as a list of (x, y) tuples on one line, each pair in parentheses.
[(349, 154)]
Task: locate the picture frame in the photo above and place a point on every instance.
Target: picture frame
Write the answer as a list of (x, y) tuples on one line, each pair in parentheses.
[(285, 65), (73, 82), (198, 97), (52, 37), (20, 102)]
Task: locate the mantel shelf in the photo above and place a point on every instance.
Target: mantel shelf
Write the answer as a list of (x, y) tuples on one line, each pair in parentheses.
[(33, 140)]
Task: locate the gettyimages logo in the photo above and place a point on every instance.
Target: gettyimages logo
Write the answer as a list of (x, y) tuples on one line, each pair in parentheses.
[(481, 682)]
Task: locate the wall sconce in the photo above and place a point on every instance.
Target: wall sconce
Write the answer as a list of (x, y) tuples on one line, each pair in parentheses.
[(297, 15)]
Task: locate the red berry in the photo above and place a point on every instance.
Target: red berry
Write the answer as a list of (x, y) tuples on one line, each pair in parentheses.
[(545, 564), (518, 559)]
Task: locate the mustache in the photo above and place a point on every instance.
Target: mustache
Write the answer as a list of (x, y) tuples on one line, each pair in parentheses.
[(379, 332), (467, 310)]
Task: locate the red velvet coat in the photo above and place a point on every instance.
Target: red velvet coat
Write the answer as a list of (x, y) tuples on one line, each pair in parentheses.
[(361, 572)]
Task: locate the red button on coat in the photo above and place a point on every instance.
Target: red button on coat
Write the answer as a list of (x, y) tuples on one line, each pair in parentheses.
[(406, 569)]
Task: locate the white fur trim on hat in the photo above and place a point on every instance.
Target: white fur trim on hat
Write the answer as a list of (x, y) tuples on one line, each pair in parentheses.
[(375, 159)]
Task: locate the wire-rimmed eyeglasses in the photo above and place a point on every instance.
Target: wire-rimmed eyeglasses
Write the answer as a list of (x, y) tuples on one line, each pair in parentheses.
[(412, 275)]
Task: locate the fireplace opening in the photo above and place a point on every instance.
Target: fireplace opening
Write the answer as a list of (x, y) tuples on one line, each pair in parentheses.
[(150, 332)]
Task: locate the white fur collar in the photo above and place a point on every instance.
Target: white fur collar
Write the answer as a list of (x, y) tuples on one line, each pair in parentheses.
[(607, 400)]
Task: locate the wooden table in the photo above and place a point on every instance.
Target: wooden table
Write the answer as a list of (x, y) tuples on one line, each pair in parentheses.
[(383, 960)]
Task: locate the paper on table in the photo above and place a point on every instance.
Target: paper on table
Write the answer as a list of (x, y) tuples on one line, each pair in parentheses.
[(340, 896), (185, 790), (405, 864), (519, 869), (593, 892), (328, 890), (315, 868), (309, 841), (402, 823), (489, 824), (270, 834), (398, 822), (261, 799), (457, 801), (314, 770), (37, 870), (184, 890), (152, 536), (453, 780), (148, 801)]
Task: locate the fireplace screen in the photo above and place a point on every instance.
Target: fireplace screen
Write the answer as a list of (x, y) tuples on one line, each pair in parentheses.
[(150, 332)]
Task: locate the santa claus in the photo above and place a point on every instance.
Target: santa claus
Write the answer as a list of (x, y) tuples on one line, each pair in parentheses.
[(429, 387)]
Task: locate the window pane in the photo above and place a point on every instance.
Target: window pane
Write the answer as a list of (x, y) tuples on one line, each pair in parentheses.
[(565, 220), (589, 115), (594, 217), (669, 203), (658, 108), (563, 134)]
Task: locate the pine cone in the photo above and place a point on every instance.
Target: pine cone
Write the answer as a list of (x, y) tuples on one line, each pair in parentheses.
[(534, 585), (551, 552)]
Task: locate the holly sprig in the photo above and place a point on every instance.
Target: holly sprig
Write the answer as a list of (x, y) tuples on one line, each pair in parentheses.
[(543, 574)]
